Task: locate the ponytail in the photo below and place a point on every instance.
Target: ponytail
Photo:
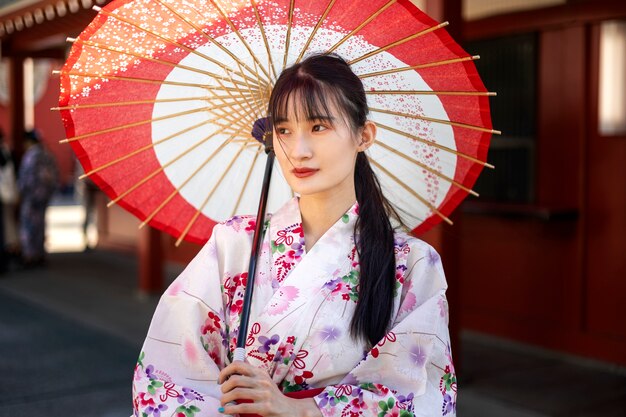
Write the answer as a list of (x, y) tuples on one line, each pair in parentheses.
[(374, 237)]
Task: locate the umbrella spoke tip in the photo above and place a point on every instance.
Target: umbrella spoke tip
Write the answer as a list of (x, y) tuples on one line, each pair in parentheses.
[(489, 166), (64, 141), (70, 40), (56, 72), (96, 8), (496, 132)]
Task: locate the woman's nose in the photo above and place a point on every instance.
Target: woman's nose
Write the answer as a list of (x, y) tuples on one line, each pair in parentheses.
[(301, 148)]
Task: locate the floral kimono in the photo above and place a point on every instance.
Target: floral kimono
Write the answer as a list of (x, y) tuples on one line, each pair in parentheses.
[(299, 325)]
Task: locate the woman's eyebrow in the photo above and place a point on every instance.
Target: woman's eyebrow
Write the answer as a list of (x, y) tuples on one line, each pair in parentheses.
[(314, 117)]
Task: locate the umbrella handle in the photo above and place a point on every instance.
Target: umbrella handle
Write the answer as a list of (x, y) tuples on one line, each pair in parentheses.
[(239, 354), (256, 246)]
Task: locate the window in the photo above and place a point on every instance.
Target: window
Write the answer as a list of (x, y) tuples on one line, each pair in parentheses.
[(508, 66), (612, 88)]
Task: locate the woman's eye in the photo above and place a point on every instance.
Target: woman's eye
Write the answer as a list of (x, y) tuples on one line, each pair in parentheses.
[(282, 130), (319, 128)]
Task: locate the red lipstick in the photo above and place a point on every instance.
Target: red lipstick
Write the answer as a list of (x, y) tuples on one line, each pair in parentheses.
[(303, 172)]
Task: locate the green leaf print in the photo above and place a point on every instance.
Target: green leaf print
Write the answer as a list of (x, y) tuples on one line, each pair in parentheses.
[(277, 248), (345, 218), (188, 411), (142, 355)]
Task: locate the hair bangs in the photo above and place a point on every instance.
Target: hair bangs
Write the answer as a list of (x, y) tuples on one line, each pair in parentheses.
[(303, 98)]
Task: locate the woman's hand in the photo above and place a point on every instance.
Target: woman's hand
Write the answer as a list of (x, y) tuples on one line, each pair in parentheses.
[(242, 381)]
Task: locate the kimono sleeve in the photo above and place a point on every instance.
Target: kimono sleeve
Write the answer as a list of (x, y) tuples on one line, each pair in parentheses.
[(185, 347), (410, 371)]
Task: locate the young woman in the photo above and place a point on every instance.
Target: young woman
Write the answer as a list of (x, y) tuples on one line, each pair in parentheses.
[(347, 311)]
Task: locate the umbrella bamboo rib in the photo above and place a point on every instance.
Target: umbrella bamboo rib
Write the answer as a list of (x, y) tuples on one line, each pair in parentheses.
[(162, 168), (240, 63), (243, 41), (134, 102), (362, 25), (139, 123), (434, 144), (208, 197), (412, 192), (398, 42), (170, 41), (256, 101), (190, 177), (426, 167), (144, 80), (288, 36), (330, 5), (270, 63), (441, 121), (420, 66), (435, 93), (157, 61), (145, 148), (245, 183)]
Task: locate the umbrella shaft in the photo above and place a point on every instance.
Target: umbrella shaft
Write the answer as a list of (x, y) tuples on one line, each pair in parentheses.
[(256, 246)]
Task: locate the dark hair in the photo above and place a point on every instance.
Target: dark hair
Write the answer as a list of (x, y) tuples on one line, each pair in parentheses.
[(31, 135), (316, 80)]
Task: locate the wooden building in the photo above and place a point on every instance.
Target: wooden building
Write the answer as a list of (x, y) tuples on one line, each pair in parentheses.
[(540, 257)]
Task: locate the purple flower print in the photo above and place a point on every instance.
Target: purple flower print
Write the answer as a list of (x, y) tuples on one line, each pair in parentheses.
[(298, 248), (403, 399), (417, 355), (150, 372), (332, 283), (325, 399), (233, 220), (432, 257), (189, 394), (267, 343), (449, 406), (156, 411), (330, 333)]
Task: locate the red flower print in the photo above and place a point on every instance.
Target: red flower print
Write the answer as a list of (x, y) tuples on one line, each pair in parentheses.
[(344, 390), (251, 225), (236, 307), (300, 379), (298, 362), (291, 340), (298, 229), (374, 352), (144, 401), (169, 392), (283, 237)]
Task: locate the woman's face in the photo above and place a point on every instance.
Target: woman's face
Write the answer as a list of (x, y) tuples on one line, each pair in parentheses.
[(316, 154)]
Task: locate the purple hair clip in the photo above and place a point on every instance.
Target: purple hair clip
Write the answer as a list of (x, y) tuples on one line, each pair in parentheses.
[(261, 129)]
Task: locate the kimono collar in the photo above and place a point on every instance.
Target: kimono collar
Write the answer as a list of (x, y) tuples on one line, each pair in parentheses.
[(286, 226)]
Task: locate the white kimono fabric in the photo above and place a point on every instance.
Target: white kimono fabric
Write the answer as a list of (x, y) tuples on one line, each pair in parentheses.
[(299, 326)]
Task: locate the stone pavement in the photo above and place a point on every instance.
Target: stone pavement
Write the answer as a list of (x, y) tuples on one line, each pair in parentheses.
[(70, 335)]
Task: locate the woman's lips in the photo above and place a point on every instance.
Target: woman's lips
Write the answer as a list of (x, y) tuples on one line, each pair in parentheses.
[(303, 172)]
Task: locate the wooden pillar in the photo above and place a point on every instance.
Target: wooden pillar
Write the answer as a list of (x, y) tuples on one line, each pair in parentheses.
[(16, 104), (446, 239), (150, 255)]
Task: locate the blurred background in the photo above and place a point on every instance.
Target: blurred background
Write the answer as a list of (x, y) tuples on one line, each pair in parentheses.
[(536, 266)]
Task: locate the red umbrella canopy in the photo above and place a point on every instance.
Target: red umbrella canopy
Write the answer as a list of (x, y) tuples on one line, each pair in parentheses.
[(159, 97)]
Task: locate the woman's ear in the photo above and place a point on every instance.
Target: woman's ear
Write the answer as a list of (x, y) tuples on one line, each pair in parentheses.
[(368, 136)]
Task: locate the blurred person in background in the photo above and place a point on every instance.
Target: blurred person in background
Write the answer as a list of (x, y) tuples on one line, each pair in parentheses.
[(37, 181), (9, 196)]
